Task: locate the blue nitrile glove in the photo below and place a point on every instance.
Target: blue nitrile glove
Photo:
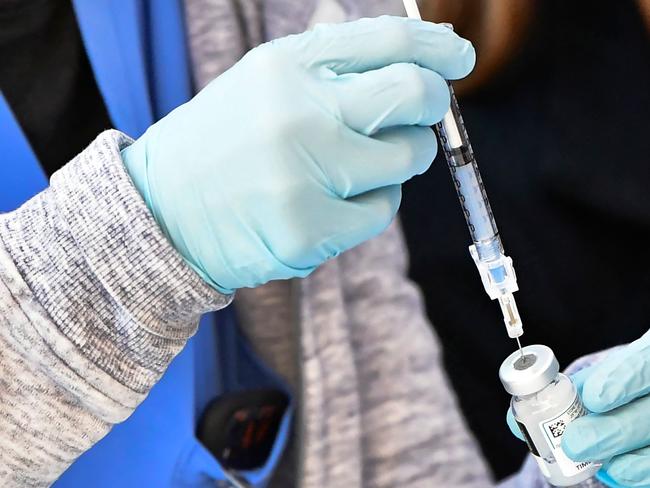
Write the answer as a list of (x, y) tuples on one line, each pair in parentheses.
[(297, 153), (618, 432)]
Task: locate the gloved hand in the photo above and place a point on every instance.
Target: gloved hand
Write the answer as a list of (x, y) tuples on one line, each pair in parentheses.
[(618, 431), (297, 153)]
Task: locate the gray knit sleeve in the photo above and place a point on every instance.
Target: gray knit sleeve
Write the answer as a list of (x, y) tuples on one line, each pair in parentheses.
[(94, 304)]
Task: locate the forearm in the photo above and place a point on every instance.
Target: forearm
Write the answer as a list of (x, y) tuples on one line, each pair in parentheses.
[(94, 304)]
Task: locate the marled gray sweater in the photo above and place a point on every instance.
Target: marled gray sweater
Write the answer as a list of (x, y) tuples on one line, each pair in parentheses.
[(94, 304)]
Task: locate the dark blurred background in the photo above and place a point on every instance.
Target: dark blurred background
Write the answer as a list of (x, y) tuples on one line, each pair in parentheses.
[(557, 111)]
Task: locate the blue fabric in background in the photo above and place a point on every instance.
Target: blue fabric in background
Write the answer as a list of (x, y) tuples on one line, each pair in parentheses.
[(16, 186)]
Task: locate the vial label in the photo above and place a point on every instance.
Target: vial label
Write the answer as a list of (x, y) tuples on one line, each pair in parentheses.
[(554, 428)]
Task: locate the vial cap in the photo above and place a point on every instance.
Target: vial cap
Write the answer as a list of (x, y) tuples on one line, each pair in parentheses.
[(530, 373)]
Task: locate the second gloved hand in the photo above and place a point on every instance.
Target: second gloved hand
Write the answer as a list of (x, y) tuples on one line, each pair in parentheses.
[(617, 391), (297, 153)]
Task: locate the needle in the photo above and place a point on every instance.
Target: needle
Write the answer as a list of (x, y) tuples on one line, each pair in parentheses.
[(520, 349)]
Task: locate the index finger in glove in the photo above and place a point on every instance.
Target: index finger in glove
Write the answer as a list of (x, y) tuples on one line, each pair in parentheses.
[(368, 44), (620, 378), (579, 377)]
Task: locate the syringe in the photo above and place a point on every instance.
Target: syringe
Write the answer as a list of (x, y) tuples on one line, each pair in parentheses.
[(496, 269)]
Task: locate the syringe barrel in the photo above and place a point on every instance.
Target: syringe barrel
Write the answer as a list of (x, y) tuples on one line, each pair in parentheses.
[(467, 180), (494, 266)]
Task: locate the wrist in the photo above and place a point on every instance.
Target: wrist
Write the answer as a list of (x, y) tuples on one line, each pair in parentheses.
[(137, 164), (134, 157)]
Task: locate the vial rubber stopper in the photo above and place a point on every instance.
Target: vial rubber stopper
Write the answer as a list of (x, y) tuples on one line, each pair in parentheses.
[(527, 374)]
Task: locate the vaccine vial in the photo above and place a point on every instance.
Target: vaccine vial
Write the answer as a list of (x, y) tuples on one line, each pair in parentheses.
[(544, 402)]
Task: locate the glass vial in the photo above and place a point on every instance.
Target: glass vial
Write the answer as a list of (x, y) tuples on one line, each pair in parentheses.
[(544, 401)]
